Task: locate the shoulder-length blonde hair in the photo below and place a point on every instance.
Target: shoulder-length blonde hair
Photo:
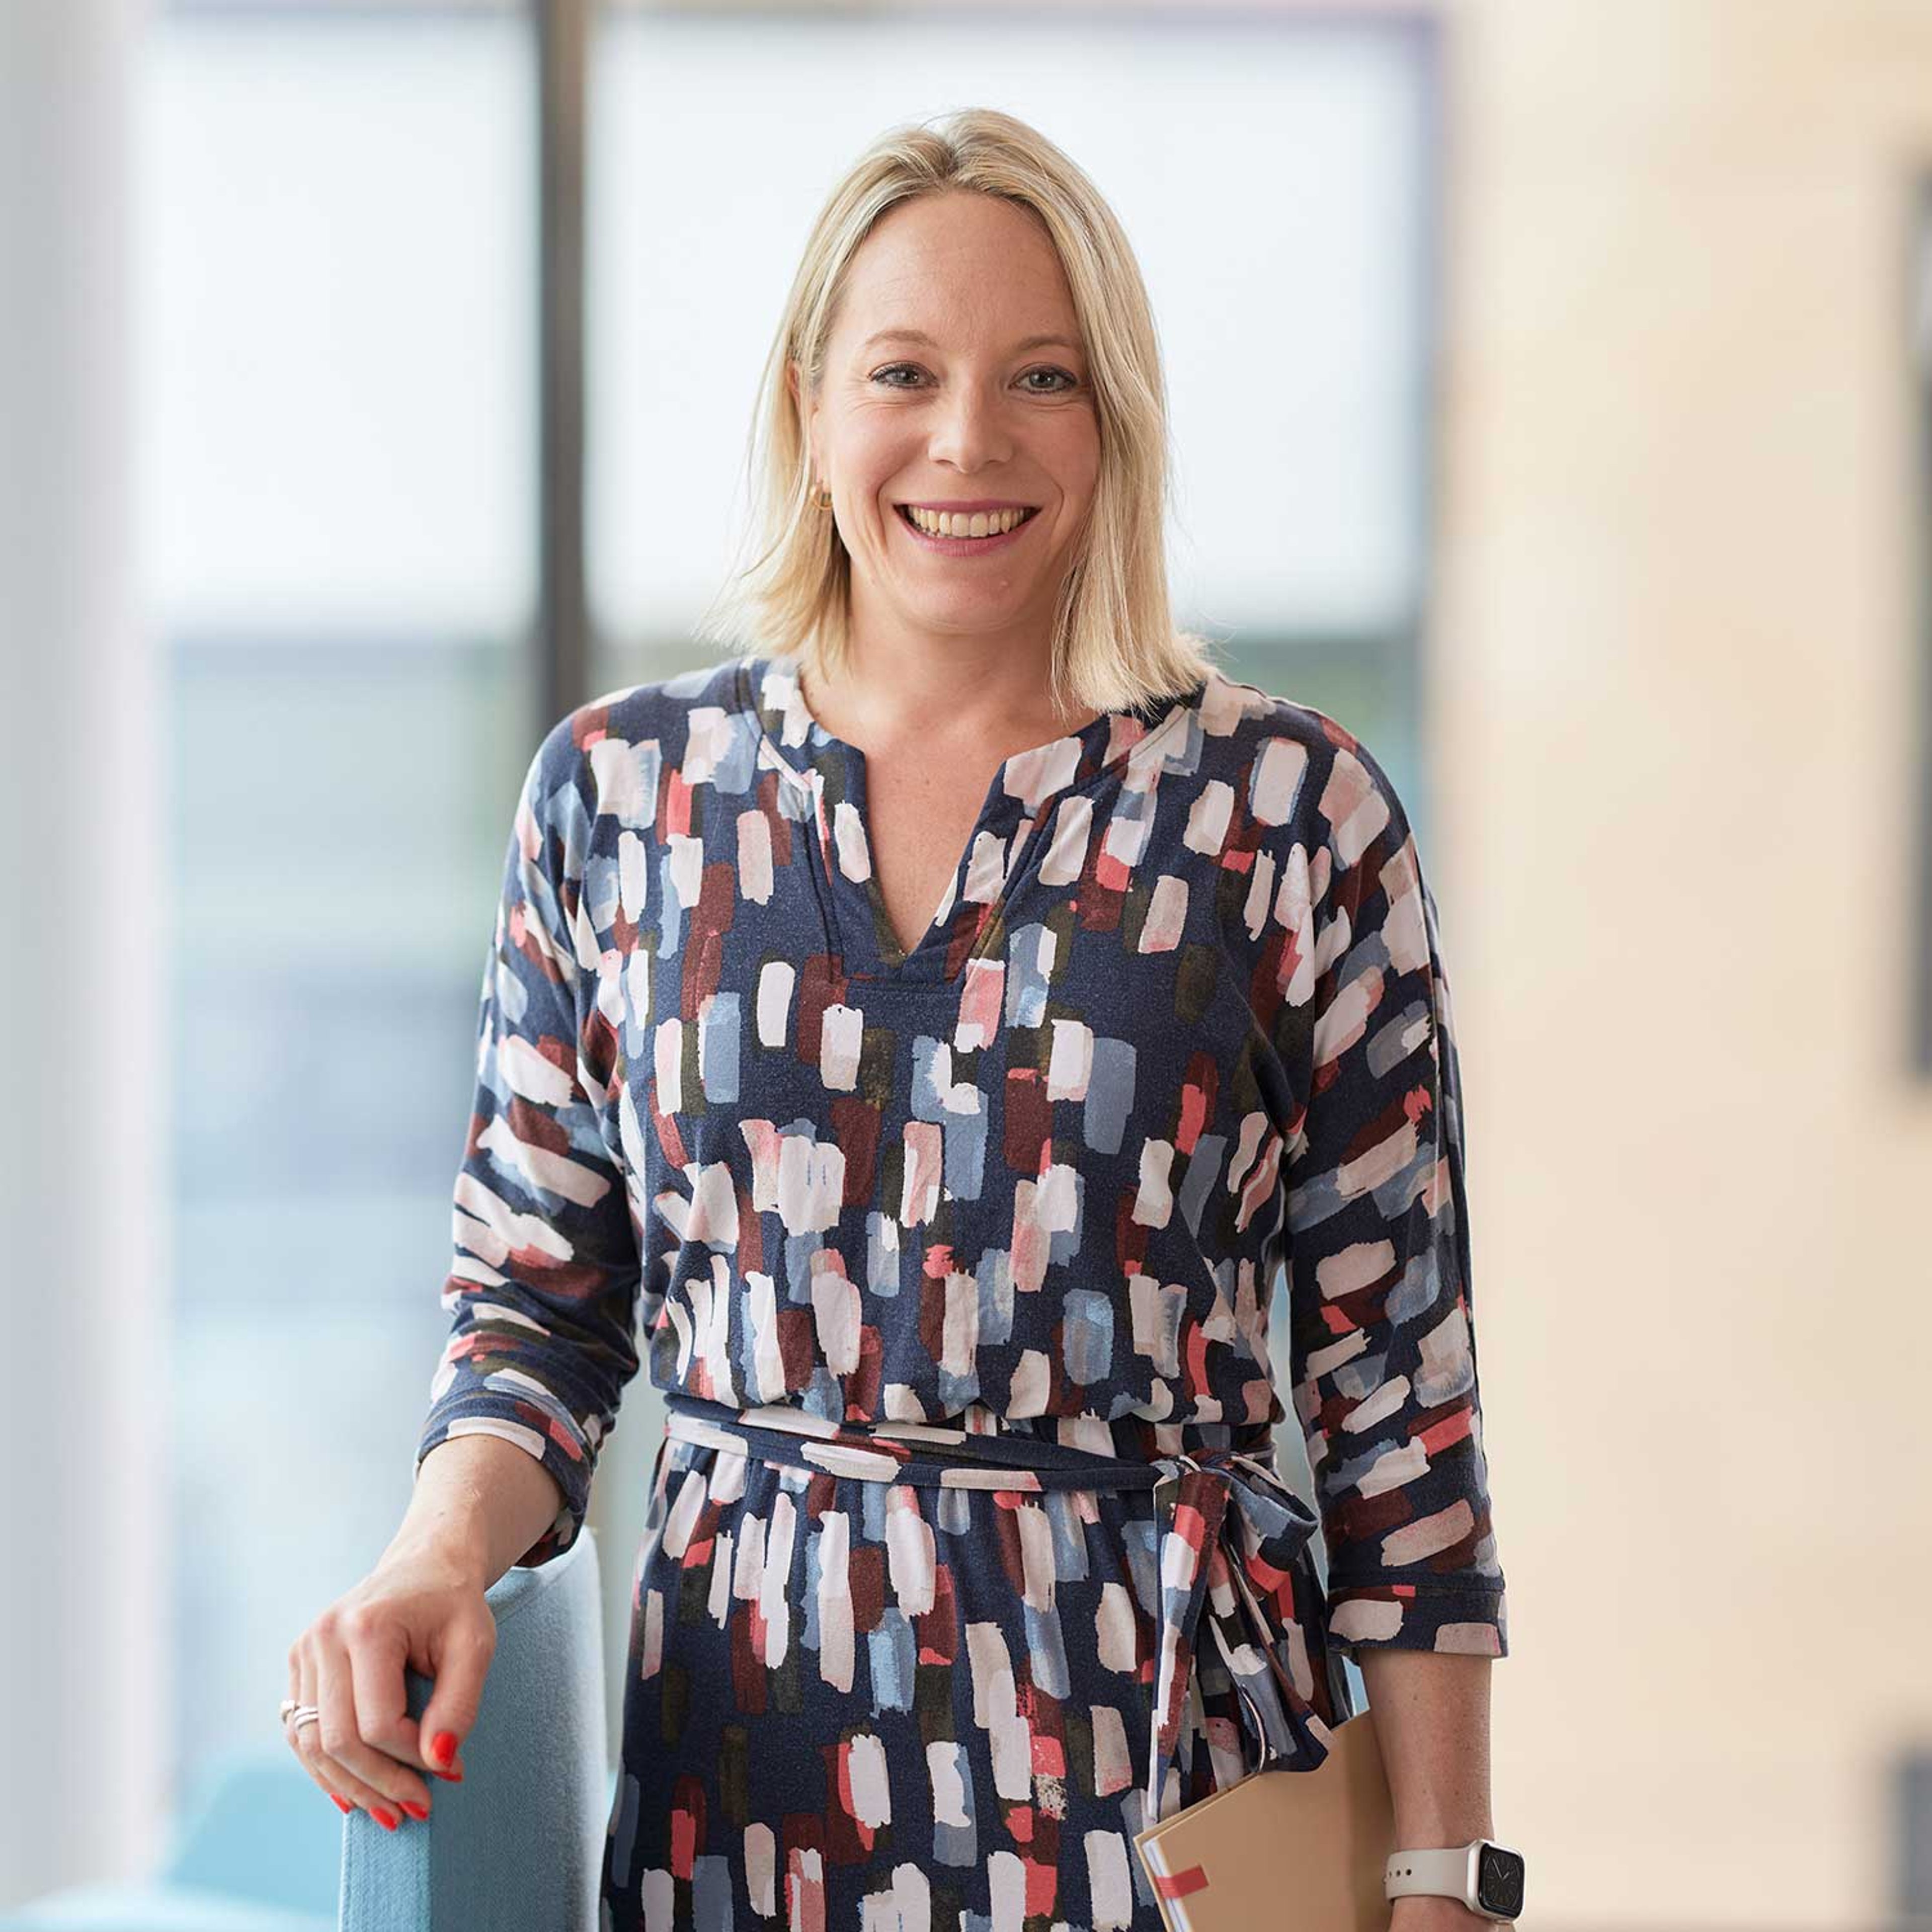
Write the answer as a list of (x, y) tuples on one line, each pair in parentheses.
[(1114, 645)]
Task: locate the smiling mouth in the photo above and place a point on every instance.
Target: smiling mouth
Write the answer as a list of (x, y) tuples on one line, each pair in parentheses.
[(957, 525)]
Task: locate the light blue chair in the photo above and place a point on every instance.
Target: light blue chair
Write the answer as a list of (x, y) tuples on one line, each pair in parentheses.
[(520, 1842)]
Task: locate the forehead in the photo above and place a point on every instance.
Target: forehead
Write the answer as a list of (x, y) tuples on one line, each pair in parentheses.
[(953, 267)]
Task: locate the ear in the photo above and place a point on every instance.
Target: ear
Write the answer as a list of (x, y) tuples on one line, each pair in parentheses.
[(805, 415)]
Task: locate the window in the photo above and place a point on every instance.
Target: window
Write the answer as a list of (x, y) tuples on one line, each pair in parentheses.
[(338, 492)]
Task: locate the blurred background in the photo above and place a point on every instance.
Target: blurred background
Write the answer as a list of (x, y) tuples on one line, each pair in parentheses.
[(1551, 385)]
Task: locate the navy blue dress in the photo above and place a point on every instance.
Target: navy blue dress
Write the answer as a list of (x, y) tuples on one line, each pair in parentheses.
[(943, 1258)]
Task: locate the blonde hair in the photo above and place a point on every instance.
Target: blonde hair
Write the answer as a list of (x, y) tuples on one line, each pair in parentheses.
[(1114, 645)]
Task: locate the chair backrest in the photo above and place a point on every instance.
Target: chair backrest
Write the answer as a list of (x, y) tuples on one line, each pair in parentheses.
[(520, 1840)]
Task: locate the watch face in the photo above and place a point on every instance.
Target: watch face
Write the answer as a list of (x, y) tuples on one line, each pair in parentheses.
[(1499, 1880)]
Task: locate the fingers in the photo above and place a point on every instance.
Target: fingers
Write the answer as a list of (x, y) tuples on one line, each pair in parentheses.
[(460, 1666), (393, 1786), (299, 1733), (315, 1744), (377, 1654), (351, 1666), (304, 1736)]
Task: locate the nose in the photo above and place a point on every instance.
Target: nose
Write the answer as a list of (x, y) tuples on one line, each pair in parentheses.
[(969, 432)]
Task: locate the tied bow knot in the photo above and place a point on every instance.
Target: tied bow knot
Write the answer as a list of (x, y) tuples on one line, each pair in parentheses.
[(1233, 1543)]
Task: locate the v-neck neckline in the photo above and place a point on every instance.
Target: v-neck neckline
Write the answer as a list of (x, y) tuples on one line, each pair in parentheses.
[(1014, 811)]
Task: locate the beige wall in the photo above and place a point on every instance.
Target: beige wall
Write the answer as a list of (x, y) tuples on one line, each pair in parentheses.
[(1676, 680)]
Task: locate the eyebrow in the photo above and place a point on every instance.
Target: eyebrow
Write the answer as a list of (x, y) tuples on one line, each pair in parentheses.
[(920, 337)]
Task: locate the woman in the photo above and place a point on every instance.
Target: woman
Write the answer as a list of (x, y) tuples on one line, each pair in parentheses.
[(935, 1025)]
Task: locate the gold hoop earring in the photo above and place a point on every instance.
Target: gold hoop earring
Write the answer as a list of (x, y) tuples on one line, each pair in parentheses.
[(822, 500)]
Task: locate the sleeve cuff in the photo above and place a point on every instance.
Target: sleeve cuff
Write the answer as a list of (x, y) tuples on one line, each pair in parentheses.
[(564, 1454), (1467, 1619)]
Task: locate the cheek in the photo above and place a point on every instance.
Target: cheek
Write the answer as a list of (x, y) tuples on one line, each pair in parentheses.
[(875, 449), (1076, 457)]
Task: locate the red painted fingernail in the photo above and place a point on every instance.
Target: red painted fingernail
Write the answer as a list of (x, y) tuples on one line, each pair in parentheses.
[(451, 1776), (383, 1818), (341, 1804), (414, 1810), (443, 1747)]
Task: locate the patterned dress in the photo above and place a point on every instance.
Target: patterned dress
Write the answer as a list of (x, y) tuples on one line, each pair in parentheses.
[(964, 1556)]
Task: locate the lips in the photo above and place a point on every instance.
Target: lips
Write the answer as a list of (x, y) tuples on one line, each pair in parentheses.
[(966, 548)]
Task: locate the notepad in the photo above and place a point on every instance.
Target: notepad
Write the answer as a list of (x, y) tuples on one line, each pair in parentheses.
[(1295, 1851)]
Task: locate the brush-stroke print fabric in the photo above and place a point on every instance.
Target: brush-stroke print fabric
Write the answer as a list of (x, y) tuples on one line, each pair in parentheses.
[(966, 1596), (1180, 1019)]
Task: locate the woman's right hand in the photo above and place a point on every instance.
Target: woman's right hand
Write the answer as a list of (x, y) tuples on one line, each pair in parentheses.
[(422, 1605)]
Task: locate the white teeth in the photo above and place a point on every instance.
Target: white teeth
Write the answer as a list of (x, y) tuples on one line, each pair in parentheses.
[(957, 523)]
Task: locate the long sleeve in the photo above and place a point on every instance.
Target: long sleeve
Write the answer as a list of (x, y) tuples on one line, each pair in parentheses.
[(1382, 1339), (543, 1288)]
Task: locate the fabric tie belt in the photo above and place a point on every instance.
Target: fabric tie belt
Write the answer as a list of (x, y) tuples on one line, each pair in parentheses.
[(1232, 1548)]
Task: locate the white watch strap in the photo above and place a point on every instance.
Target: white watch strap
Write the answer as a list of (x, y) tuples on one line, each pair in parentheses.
[(1442, 1872)]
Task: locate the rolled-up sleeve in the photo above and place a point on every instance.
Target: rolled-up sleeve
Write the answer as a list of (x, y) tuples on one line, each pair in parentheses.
[(1382, 1341), (544, 1286)]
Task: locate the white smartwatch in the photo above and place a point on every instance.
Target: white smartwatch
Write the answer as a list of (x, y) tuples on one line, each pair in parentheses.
[(1487, 1877)]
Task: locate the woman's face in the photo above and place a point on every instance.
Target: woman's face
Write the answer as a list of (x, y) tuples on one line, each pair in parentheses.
[(992, 407)]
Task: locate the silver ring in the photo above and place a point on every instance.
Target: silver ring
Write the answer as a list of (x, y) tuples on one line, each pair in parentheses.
[(305, 1713)]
